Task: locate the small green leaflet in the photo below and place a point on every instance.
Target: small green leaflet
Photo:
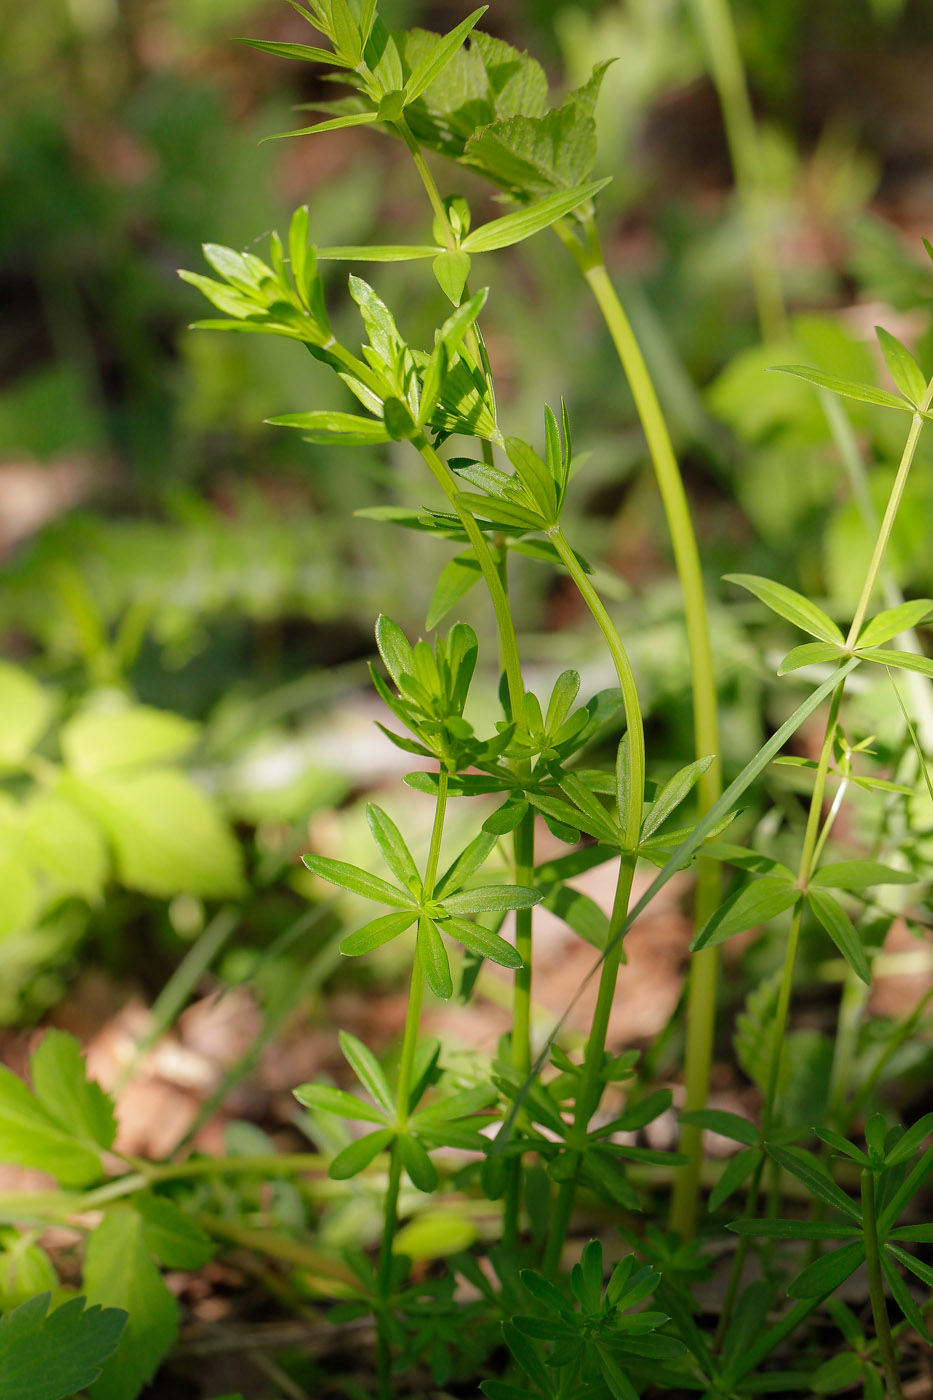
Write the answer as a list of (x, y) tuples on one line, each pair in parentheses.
[(858, 875), (751, 905), (893, 621), (791, 605), (440, 56), (841, 930), (902, 367), (900, 660), (810, 654), (50, 1355), (513, 228)]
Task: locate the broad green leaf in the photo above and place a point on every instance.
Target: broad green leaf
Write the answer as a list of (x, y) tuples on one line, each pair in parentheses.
[(357, 1157), (790, 605), (58, 1072), (826, 1273), (367, 1069), (401, 252), (65, 845), (457, 577), (847, 387), (440, 56), (436, 1235), (672, 794), (513, 228), (841, 930), (810, 654), (483, 942), (51, 1355), (99, 742), (729, 1125), (333, 124), (25, 1270), (417, 1163), (434, 961), (900, 660), (326, 1099), (350, 877), (327, 427), (858, 875), (119, 1272), (168, 837), (26, 707), (808, 1169), (376, 933), (396, 853), (750, 906), (489, 898), (902, 367), (173, 1237), (31, 1136), (893, 621), (306, 52)]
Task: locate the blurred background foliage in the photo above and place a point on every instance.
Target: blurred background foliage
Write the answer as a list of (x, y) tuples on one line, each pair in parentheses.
[(180, 575)]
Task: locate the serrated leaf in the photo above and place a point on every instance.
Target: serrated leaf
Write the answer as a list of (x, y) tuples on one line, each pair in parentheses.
[(31, 1136), (902, 367), (58, 1072), (900, 660), (810, 654), (376, 933), (173, 1237), (357, 881), (65, 845), (790, 605), (893, 621), (51, 1355), (748, 907), (841, 930), (858, 875), (119, 1272), (525, 222), (867, 393)]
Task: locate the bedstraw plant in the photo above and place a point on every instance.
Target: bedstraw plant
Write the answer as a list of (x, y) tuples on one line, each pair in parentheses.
[(546, 1129)]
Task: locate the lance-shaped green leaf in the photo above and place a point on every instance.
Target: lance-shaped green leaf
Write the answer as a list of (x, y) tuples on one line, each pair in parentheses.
[(378, 253), (466, 864), (748, 907), (790, 605), (828, 1272), (500, 513), (457, 577), (673, 793), (902, 1295), (332, 124), (327, 427), (376, 933), (417, 1163), (728, 1125), (795, 1229), (900, 660), (306, 52), (902, 367), (867, 393), (841, 930), (893, 621), (397, 855), (531, 219), (451, 269), (434, 961), (326, 1099), (482, 941), (358, 1156), (357, 881), (735, 1173), (858, 875), (488, 899), (440, 56), (810, 654), (808, 1169), (910, 1143), (367, 1069)]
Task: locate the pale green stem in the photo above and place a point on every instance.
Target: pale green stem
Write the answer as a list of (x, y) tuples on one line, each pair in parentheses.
[(876, 1289), (715, 21), (701, 994)]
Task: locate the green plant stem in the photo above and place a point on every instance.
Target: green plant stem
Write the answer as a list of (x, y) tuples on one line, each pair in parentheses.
[(876, 1289), (403, 1101), (701, 995), (588, 1092), (725, 59)]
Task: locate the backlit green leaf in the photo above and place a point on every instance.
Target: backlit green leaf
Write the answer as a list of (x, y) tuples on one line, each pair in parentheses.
[(900, 660), (810, 654), (58, 1072), (903, 368), (326, 427), (357, 881), (376, 933), (893, 621), (790, 605), (531, 219), (440, 56), (847, 387), (26, 707)]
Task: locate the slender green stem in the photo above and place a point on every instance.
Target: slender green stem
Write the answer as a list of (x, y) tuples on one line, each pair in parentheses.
[(715, 21), (876, 1289), (701, 995), (508, 643)]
